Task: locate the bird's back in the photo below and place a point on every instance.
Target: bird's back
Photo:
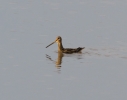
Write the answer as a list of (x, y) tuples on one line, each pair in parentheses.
[(70, 50)]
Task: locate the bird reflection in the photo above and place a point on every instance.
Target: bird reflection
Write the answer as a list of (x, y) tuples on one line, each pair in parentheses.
[(58, 62)]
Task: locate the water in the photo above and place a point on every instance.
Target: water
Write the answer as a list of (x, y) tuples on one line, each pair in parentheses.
[(30, 71)]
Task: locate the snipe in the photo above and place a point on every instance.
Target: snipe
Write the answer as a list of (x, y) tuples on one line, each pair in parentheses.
[(65, 50)]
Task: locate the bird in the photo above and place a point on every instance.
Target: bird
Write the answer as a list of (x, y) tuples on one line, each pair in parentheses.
[(65, 50)]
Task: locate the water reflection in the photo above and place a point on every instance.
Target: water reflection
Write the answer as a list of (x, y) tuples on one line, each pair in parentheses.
[(58, 62)]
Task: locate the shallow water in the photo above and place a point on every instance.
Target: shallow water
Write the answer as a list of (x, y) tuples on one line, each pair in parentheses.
[(30, 71)]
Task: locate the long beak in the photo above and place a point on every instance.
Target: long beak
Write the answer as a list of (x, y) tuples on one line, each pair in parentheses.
[(51, 44)]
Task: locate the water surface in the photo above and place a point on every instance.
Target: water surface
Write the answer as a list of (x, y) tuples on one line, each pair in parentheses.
[(29, 71)]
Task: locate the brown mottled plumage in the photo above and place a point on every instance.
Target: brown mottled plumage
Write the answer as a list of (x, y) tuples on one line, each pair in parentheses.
[(65, 50)]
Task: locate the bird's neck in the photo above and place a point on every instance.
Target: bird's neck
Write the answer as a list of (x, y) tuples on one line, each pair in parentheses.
[(60, 46)]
